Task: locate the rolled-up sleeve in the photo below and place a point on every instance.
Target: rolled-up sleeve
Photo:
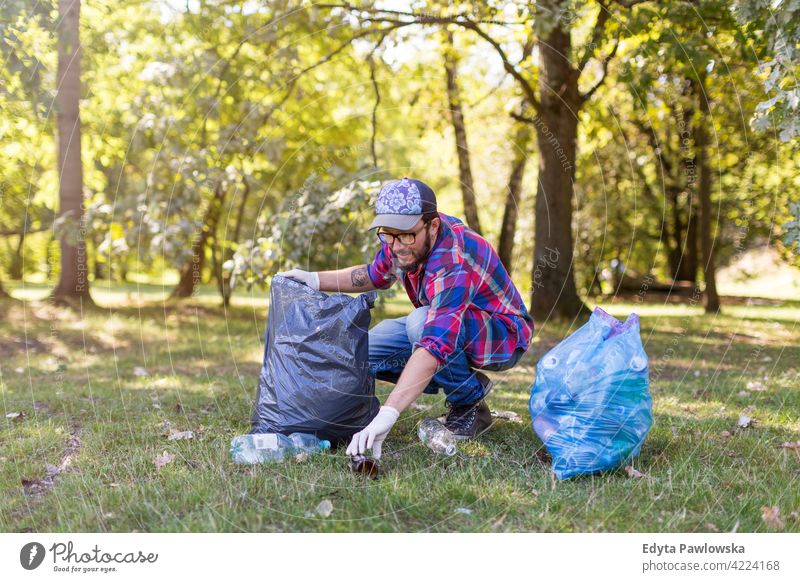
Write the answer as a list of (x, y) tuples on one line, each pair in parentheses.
[(452, 293), (381, 270)]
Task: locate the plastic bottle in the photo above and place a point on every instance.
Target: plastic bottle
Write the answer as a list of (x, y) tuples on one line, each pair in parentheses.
[(250, 449), (434, 434), (308, 443)]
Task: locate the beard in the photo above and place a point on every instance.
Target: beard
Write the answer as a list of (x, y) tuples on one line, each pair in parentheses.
[(419, 257)]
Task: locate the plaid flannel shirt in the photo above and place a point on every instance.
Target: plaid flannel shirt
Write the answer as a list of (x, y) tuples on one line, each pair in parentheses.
[(467, 285)]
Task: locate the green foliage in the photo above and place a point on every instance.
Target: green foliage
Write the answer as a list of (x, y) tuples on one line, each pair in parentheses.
[(322, 227), (776, 29)]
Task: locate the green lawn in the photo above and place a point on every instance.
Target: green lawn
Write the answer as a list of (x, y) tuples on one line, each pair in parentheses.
[(81, 455)]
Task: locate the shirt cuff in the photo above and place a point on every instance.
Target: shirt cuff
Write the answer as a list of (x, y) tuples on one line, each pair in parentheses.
[(433, 349), (378, 281)]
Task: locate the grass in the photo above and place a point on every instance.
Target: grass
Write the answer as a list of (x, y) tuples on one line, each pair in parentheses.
[(82, 456)]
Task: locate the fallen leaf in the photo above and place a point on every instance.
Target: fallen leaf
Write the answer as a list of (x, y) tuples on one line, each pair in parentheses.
[(301, 457), (745, 421), (17, 416), (179, 408), (325, 508), (416, 406), (711, 527), (772, 516), (788, 445), (726, 433), (464, 510), (163, 459), (506, 415), (139, 371), (113, 484), (634, 473), (175, 435), (743, 393), (19, 370), (756, 386), (156, 405)]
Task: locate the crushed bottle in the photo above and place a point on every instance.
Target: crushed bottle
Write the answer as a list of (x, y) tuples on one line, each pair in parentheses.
[(434, 434), (251, 449)]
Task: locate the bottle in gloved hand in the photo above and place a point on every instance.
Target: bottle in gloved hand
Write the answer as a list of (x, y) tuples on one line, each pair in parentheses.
[(434, 434), (250, 449)]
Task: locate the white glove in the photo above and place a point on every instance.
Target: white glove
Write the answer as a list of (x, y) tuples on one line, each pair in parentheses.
[(373, 435), (305, 277)]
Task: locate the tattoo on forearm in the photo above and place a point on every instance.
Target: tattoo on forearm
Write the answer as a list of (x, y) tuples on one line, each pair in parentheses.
[(359, 277)]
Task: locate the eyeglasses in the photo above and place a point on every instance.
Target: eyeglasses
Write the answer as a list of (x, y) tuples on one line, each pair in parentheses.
[(405, 238)]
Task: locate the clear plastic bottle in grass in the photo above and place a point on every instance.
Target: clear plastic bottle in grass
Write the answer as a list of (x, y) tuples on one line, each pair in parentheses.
[(434, 434), (251, 449)]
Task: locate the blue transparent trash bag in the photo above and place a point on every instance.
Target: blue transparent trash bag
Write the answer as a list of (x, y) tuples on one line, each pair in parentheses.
[(590, 403)]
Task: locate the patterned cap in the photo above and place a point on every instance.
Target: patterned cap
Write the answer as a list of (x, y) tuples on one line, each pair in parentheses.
[(401, 203)]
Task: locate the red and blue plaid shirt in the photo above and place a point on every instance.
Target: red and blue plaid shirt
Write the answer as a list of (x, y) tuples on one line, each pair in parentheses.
[(467, 285)]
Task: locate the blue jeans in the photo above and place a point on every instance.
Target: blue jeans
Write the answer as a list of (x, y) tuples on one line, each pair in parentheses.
[(390, 344)]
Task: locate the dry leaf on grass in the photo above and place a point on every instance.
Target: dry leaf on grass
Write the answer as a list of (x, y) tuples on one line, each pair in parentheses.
[(772, 517), (140, 372), (175, 435), (745, 421), (163, 459), (416, 406), (788, 445), (756, 386), (634, 473), (725, 433), (325, 508), (17, 416), (301, 457), (506, 415)]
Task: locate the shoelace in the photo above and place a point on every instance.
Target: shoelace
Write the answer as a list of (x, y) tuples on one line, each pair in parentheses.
[(461, 419)]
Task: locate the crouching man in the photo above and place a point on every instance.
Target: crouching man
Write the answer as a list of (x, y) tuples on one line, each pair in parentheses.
[(468, 314)]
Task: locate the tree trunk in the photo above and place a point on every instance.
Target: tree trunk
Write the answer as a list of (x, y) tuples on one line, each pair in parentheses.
[(73, 285), (459, 128), (553, 291), (224, 279), (704, 193), (15, 269), (192, 270), (505, 247), (3, 293)]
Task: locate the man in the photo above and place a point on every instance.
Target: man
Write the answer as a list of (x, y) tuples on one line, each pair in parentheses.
[(468, 313)]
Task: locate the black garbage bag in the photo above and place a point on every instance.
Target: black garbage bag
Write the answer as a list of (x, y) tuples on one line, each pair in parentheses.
[(315, 378)]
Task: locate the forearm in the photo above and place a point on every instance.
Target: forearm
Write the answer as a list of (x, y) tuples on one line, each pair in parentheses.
[(419, 370), (348, 280)]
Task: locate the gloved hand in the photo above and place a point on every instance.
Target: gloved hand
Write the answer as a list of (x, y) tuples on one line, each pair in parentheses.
[(373, 435), (309, 278)]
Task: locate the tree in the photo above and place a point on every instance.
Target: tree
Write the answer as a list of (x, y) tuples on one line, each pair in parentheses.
[(73, 284), (460, 132)]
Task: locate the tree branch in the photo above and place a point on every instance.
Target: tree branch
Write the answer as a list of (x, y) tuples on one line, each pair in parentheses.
[(598, 32), (374, 15), (586, 96)]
